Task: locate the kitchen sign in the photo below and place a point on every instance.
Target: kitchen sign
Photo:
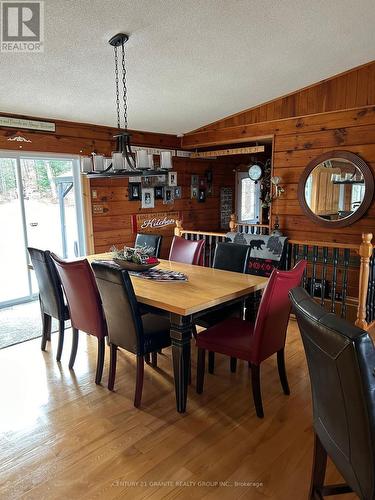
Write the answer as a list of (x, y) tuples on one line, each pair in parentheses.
[(154, 222), (8, 121)]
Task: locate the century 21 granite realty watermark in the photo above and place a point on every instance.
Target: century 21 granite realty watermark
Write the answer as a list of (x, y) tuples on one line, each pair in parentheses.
[(22, 26)]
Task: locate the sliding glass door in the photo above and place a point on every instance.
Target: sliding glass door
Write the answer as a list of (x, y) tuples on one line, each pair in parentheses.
[(40, 206)]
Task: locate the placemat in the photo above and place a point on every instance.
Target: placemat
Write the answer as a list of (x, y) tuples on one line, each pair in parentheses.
[(161, 275)]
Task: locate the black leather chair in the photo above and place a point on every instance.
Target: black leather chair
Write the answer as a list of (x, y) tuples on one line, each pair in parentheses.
[(341, 361), (51, 297), (228, 257), (149, 240), (127, 329)]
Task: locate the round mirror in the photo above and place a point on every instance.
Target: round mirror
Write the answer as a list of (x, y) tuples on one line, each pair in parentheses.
[(336, 188)]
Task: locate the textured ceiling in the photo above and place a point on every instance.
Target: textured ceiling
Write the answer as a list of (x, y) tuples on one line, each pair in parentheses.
[(190, 62)]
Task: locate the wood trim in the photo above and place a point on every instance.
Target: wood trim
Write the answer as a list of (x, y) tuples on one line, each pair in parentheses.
[(369, 191), (87, 214)]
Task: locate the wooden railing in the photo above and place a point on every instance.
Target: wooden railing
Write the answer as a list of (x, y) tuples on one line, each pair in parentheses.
[(331, 273)]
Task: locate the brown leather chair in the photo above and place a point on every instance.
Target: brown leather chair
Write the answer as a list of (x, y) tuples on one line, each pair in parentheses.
[(341, 361), (127, 329), (186, 251), (51, 297), (86, 311)]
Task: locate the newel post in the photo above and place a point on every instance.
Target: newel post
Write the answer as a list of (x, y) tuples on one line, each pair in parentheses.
[(178, 229), (365, 252), (233, 223)]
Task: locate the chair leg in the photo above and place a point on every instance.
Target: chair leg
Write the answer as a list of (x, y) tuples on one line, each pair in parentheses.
[(233, 365), (139, 382), (147, 358), (282, 371), (257, 395), (154, 359), (194, 331), (61, 340), (100, 361), (46, 330), (200, 369), (211, 362), (74, 348), (112, 366), (318, 469)]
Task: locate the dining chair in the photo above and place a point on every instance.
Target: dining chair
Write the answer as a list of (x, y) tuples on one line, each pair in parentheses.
[(186, 251), (227, 257), (127, 328), (255, 342), (85, 307), (51, 297), (150, 241), (341, 361)]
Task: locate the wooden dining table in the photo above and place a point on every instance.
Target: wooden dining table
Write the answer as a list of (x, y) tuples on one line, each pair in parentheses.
[(206, 289)]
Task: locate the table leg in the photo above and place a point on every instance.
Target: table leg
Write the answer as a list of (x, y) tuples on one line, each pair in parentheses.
[(181, 328)]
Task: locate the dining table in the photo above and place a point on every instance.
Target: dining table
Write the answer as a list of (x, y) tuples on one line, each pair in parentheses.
[(205, 289)]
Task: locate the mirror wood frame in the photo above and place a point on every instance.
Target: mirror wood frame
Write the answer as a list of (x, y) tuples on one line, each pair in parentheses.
[(369, 188)]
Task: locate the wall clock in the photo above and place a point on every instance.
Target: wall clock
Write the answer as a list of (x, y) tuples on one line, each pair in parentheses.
[(255, 172)]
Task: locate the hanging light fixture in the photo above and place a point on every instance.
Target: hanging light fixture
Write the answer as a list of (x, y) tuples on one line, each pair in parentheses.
[(123, 145)]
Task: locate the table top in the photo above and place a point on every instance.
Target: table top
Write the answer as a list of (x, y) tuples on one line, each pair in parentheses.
[(205, 288)]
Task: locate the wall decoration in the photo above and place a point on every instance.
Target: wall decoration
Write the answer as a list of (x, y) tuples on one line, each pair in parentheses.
[(177, 192), (160, 179), (159, 192), (134, 190), (226, 206), (9, 121), (148, 198), (202, 195), (172, 179), (168, 195), (147, 181), (194, 180), (194, 192), (156, 222)]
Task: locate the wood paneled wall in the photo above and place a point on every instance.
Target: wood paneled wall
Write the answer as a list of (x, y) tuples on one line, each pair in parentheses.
[(113, 227), (299, 139)]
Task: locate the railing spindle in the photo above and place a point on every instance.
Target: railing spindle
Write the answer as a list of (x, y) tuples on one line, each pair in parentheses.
[(324, 275), (344, 290), (313, 277), (335, 260)]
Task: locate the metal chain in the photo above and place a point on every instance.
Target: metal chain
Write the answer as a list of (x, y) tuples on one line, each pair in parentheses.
[(117, 89), (124, 88)]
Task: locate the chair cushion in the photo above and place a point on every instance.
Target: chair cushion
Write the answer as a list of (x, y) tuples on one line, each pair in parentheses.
[(156, 332), (232, 337)]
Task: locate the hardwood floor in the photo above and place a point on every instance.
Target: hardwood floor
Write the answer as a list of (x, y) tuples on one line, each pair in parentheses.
[(63, 437)]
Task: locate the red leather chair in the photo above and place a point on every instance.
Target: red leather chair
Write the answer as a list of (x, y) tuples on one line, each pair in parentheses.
[(186, 251), (85, 306), (256, 342)]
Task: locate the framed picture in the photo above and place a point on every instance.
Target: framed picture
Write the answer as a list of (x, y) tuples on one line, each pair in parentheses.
[(194, 192), (168, 195), (148, 198), (159, 192), (177, 192), (194, 180), (147, 182), (172, 179), (134, 190), (202, 195)]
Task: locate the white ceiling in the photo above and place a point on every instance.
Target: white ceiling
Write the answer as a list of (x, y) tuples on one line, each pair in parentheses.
[(190, 62)]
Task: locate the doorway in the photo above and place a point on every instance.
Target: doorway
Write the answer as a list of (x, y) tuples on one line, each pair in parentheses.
[(40, 206), (247, 199)]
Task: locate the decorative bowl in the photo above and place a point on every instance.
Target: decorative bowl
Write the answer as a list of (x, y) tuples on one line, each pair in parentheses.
[(132, 266)]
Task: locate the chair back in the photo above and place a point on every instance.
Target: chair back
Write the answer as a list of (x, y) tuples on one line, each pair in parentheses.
[(121, 309), (81, 291), (274, 311), (50, 290), (150, 241), (341, 361), (231, 257), (186, 251)]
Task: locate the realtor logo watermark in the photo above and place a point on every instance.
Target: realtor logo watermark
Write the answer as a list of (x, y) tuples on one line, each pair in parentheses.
[(22, 26)]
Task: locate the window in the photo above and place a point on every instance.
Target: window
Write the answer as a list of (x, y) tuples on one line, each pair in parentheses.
[(248, 202)]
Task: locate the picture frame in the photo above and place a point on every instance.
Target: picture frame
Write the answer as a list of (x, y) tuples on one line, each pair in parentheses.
[(194, 180), (194, 192), (202, 195), (168, 196), (148, 198), (177, 192), (147, 181), (159, 192), (172, 179), (134, 190)]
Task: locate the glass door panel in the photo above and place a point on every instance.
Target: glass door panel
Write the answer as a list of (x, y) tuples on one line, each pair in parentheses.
[(14, 275)]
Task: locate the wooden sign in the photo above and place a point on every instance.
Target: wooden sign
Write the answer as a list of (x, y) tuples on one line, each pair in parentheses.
[(9, 121), (154, 222), (228, 152)]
